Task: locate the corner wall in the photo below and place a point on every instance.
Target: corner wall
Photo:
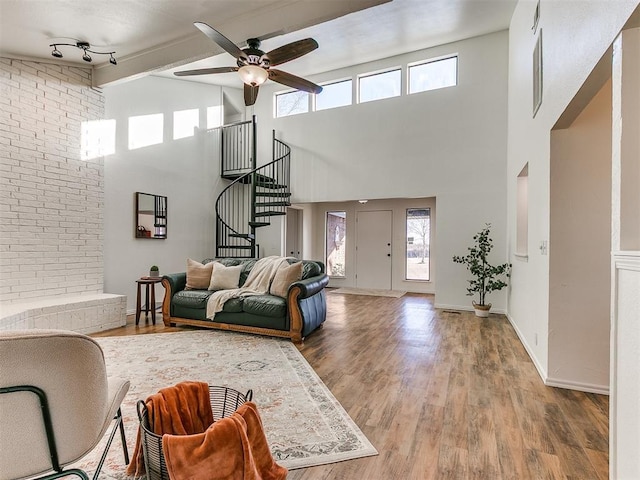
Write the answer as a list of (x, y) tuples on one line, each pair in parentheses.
[(580, 233)]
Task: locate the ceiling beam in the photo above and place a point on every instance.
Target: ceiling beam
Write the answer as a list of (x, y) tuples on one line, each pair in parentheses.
[(288, 16)]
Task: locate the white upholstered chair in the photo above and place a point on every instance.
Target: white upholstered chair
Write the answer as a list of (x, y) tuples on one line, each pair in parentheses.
[(56, 403)]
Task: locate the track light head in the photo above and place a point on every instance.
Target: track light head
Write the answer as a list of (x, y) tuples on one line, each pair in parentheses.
[(112, 60), (56, 53)]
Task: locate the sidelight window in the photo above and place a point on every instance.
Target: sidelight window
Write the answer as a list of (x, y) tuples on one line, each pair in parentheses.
[(418, 243), (335, 243)]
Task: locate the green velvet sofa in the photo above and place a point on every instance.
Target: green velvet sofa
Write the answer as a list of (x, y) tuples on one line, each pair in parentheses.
[(294, 317)]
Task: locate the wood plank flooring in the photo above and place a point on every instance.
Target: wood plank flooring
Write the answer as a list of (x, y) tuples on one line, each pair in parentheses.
[(445, 396)]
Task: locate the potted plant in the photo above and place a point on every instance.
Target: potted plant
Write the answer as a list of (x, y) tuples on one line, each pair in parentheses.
[(154, 271), (486, 277)]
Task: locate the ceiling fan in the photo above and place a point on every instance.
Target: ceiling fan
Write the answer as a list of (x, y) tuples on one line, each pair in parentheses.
[(254, 65)]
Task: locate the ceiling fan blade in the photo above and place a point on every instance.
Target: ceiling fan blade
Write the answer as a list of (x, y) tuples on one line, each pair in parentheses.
[(291, 51), (206, 71), (221, 40), (250, 94), (293, 81)]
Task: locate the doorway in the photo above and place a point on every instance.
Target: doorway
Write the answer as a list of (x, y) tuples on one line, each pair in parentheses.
[(373, 249), (293, 236)]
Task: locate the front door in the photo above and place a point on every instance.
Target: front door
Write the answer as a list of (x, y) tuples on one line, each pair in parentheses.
[(373, 249)]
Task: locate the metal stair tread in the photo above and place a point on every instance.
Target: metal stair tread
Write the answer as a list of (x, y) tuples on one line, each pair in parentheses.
[(248, 236), (270, 213), (259, 224), (273, 194), (242, 247), (273, 204)]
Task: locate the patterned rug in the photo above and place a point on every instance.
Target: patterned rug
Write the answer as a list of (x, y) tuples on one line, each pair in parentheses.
[(304, 423), (369, 291)]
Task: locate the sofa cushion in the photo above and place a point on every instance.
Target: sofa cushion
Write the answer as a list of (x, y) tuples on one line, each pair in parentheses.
[(247, 265), (233, 305), (265, 305), (310, 269), (191, 298), (224, 278), (285, 276), (227, 262), (198, 275)]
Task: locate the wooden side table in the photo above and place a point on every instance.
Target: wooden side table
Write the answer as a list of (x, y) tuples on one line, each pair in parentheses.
[(150, 298)]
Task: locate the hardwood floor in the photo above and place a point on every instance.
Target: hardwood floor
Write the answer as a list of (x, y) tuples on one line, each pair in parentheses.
[(445, 395)]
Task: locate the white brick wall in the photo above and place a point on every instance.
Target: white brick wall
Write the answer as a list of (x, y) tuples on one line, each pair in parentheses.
[(51, 201)]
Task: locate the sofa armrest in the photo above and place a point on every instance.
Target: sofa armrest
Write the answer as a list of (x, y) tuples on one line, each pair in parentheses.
[(310, 286), (177, 281), (172, 283), (307, 306)]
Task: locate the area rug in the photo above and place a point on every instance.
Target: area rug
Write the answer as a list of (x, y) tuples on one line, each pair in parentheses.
[(304, 423), (369, 291)]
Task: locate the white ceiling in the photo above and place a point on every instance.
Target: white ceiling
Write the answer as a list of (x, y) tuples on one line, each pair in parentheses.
[(154, 36)]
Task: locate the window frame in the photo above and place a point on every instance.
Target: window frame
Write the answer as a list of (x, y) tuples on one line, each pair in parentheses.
[(359, 77), (406, 245), (326, 84), (288, 92), (427, 61), (326, 249)]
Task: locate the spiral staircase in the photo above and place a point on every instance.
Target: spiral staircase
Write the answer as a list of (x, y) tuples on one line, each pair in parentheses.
[(254, 195)]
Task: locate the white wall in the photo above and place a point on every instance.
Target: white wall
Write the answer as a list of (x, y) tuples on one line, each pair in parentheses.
[(575, 36), (580, 260), (448, 143), (186, 171)]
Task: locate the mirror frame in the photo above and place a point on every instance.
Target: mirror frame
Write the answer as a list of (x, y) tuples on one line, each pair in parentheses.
[(154, 227)]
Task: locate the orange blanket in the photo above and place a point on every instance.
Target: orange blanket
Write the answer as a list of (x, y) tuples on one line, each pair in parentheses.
[(184, 409), (233, 448)]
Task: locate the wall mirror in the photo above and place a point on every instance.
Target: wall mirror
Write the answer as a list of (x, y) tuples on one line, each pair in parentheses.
[(151, 216)]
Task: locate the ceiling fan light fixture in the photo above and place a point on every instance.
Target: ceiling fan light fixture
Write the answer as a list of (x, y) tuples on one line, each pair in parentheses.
[(253, 75)]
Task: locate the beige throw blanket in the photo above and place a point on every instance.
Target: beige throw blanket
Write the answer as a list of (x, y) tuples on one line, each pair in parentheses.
[(257, 283)]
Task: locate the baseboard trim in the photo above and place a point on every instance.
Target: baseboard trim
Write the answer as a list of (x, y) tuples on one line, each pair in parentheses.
[(581, 387), (534, 359), (556, 382)]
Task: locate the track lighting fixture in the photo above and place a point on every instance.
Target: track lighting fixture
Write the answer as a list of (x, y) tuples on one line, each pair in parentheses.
[(86, 49)]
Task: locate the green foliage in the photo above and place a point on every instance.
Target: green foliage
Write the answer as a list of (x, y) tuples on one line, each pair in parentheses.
[(154, 268), (486, 277)]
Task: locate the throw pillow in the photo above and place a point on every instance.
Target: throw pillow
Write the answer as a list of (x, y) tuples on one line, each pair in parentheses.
[(224, 278), (198, 275), (284, 277)]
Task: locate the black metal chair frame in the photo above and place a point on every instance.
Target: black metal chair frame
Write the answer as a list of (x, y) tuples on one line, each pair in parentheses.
[(51, 441)]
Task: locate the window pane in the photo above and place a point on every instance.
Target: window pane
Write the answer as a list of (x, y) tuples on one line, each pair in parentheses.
[(292, 103), (334, 95), (432, 75), (184, 122), (145, 130), (418, 236), (336, 232), (379, 86)]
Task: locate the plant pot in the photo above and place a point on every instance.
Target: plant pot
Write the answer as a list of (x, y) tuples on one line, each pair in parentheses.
[(154, 273), (481, 310)]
